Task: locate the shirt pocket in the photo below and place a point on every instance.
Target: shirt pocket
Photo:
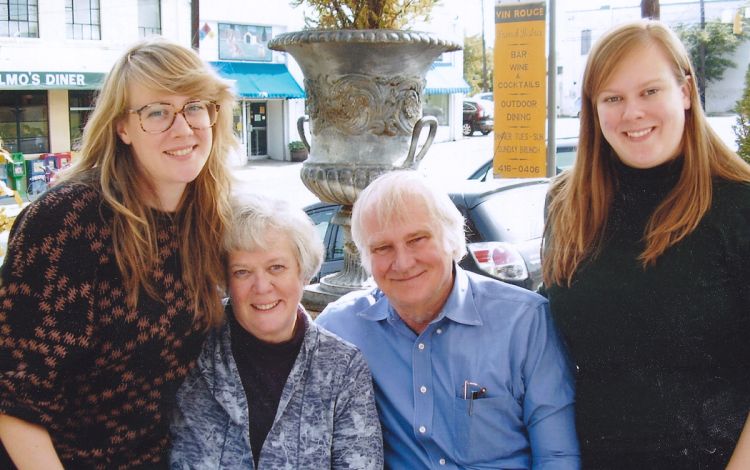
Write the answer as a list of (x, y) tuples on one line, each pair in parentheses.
[(492, 430)]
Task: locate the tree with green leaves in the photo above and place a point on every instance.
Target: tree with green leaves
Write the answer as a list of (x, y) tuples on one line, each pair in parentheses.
[(742, 128), (364, 14), (710, 47), (473, 64)]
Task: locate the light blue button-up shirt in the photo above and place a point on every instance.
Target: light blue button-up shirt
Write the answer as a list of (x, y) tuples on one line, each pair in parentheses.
[(489, 335)]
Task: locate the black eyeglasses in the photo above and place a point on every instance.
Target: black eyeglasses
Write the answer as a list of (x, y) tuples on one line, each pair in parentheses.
[(156, 118)]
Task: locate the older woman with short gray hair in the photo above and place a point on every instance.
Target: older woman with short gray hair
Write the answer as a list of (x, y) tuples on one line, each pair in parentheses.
[(271, 389)]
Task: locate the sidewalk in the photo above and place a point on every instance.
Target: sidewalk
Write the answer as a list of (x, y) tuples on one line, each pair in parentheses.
[(275, 179)]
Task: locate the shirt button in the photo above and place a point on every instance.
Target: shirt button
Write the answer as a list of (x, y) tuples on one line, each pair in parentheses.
[(420, 346), (423, 389), (440, 332), (441, 461), (422, 429)]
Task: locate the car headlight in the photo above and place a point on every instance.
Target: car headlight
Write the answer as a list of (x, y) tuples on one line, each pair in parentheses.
[(499, 259)]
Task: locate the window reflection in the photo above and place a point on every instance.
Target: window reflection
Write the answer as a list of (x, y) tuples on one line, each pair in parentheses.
[(436, 105), (24, 123)]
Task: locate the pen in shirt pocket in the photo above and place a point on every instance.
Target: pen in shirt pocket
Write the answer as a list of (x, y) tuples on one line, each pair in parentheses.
[(472, 391)]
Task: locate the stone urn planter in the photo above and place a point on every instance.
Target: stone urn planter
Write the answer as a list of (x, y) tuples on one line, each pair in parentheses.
[(364, 98)]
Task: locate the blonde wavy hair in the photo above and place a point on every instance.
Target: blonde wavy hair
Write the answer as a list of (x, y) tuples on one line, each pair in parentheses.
[(107, 163), (580, 199)]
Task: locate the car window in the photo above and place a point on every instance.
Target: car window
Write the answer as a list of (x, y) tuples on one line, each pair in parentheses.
[(566, 156), (513, 215), (322, 220), (338, 245)]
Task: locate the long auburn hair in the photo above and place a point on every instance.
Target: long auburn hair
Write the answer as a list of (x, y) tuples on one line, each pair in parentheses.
[(203, 212), (580, 199)]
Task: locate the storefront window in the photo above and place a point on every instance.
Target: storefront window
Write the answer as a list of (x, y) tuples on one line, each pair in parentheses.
[(81, 104), (82, 19), (436, 105), (24, 125), (19, 19), (237, 120)]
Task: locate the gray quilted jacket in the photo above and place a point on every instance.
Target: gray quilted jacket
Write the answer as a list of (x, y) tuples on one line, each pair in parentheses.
[(326, 416)]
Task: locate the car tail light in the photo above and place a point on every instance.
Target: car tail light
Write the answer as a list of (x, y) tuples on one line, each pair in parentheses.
[(483, 111), (500, 259)]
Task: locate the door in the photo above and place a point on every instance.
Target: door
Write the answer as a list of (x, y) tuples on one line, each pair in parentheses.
[(256, 129)]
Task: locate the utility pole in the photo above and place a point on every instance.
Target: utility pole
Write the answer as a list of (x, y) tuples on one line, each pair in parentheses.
[(552, 89), (484, 53), (650, 9), (702, 60), (194, 20)]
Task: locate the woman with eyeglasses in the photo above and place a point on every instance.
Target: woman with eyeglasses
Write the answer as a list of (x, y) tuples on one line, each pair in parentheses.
[(113, 277)]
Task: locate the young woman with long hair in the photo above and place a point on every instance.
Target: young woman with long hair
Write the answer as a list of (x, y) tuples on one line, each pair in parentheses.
[(113, 276), (646, 262)]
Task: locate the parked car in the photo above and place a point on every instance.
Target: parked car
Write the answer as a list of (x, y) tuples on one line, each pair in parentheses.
[(504, 220), (332, 235), (485, 95), (478, 116), (565, 156)]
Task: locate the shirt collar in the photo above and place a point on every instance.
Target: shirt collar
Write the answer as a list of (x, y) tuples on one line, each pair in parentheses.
[(459, 307)]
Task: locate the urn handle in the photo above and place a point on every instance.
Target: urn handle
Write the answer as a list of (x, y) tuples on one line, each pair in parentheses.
[(412, 161), (301, 130)]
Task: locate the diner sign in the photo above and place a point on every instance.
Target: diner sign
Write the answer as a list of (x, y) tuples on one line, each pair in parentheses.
[(50, 80)]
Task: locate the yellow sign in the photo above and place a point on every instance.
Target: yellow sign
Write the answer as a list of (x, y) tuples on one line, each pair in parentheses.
[(520, 90)]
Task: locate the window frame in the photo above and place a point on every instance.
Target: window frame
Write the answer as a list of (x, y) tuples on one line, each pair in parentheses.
[(12, 22), (83, 23), (146, 30), (585, 41), (80, 102), (13, 102)]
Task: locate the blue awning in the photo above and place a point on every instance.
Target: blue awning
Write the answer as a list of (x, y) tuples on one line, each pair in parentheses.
[(259, 80), (444, 80)]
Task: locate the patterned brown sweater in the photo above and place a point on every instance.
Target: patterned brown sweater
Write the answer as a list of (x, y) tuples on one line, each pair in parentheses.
[(99, 376)]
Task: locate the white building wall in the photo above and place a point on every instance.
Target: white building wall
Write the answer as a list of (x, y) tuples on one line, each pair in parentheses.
[(54, 52), (720, 96), (175, 20)]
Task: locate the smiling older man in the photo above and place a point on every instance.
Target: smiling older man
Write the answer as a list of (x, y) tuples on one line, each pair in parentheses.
[(469, 372)]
